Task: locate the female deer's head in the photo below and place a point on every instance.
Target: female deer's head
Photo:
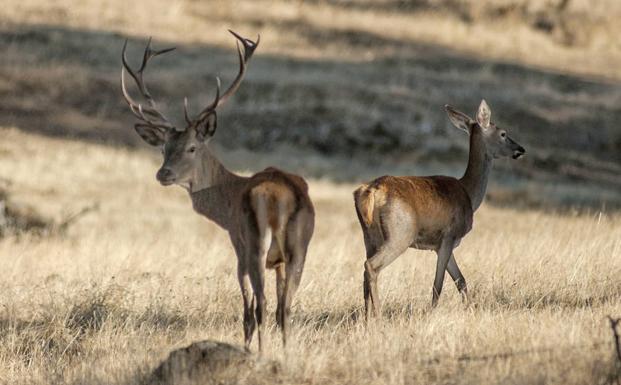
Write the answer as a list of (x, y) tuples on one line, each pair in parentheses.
[(497, 141)]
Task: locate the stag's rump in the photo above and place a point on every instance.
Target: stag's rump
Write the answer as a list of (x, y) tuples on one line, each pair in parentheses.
[(280, 207)]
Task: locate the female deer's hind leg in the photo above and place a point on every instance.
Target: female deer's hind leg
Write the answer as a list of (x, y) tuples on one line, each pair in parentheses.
[(393, 237)]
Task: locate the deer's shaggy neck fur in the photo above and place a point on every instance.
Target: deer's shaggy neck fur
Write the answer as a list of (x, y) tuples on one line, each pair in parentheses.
[(214, 189)]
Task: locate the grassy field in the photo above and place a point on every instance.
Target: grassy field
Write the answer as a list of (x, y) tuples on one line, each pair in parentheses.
[(339, 91), (342, 79), (104, 302)]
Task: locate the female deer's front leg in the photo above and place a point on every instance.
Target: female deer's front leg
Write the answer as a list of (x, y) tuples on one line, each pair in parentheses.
[(458, 278), (444, 255)]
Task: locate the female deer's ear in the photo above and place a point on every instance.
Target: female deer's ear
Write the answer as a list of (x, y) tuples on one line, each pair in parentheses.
[(152, 135), (484, 115), (458, 118), (207, 127)]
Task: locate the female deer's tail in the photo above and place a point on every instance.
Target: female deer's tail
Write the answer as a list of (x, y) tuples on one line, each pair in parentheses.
[(365, 204)]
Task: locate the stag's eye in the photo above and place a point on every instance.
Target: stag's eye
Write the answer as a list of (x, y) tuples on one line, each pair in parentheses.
[(503, 134), (192, 149)]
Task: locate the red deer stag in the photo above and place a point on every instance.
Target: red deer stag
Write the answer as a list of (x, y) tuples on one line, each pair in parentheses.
[(269, 216)]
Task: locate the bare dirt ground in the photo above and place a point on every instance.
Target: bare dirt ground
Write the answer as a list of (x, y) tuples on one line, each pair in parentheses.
[(339, 91)]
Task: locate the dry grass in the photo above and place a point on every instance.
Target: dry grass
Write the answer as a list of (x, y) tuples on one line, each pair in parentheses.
[(335, 80), (106, 301)]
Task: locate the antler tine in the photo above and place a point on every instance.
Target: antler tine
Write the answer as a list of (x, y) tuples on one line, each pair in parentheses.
[(137, 109), (249, 47), (213, 104), (185, 111), (162, 124), (148, 54), (133, 105)]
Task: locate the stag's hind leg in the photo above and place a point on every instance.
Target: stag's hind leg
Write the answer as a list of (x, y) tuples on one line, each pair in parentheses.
[(256, 271), (299, 233), (246, 289), (292, 282), (249, 319), (280, 292)]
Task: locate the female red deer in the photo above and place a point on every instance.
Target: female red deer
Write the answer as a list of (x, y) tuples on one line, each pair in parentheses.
[(429, 213)]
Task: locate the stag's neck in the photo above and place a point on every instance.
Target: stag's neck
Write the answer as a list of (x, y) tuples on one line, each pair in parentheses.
[(479, 166), (215, 190)]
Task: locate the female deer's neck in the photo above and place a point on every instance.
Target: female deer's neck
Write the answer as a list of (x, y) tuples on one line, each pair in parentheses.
[(479, 166)]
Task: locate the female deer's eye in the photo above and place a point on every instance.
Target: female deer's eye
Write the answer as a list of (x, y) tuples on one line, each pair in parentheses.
[(191, 149), (503, 134)]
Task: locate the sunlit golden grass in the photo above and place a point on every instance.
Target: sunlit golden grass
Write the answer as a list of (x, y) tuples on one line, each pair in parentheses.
[(105, 302)]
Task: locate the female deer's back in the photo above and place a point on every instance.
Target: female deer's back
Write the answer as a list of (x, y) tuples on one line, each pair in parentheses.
[(433, 206)]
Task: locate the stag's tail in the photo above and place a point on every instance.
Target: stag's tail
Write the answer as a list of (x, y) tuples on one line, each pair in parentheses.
[(364, 198)]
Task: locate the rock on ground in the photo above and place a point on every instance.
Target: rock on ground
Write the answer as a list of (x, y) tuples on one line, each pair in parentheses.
[(211, 362)]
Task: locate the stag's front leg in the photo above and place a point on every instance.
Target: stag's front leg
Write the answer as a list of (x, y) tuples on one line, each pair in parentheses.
[(444, 254)]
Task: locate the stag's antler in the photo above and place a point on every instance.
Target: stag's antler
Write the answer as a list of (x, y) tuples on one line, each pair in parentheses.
[(244, 57), (148, 114)]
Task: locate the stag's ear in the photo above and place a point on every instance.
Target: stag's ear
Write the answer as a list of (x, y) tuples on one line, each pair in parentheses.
[(484, 115), (207, 127), (152, 135), (458, 118)]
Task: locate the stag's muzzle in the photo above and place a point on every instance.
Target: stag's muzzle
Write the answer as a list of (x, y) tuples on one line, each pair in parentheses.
[(165, 176)]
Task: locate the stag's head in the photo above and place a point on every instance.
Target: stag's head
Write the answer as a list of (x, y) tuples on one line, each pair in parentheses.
[(496, 139), (183, 146)]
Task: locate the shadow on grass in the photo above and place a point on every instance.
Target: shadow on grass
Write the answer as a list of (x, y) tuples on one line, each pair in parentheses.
[(65, 83)]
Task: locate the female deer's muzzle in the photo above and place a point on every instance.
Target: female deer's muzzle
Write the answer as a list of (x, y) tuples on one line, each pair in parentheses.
[(519, 152)]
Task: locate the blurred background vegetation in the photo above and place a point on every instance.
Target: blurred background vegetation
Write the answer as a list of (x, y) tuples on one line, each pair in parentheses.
[(341, 89)]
